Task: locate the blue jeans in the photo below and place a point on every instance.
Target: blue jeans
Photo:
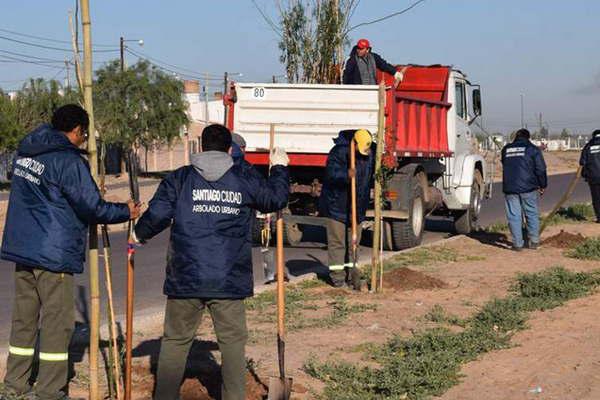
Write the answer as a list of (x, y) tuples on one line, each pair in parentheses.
[(519, 206)]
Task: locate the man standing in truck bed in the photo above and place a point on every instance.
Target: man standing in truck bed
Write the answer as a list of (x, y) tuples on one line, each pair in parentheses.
[(362, 65)]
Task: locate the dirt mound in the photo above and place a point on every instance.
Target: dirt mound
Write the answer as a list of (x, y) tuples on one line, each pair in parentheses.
[(192, 389), (407, 279), (564, 240)]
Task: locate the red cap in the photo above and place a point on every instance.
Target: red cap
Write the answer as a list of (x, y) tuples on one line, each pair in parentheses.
[(363, 44)]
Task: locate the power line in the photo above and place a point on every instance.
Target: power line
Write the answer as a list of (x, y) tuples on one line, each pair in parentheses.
[(50, 47), (47, 39), (15, 59), (30, 56), (416, 3), (185, 71)]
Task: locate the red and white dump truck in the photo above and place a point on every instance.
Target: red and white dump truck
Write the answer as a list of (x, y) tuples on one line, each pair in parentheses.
[(429, 147)]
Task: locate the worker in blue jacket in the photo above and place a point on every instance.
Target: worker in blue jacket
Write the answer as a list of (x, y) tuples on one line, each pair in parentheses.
[(209, 206), (52, 201), (590, 164), (362, 65), (524, 180), (335, 200)]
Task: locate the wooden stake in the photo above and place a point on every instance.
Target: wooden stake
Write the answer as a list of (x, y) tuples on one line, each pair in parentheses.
[(93, 243), (375, 256)]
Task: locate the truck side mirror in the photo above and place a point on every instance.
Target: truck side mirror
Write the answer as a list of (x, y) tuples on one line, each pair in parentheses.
[(477, 102)]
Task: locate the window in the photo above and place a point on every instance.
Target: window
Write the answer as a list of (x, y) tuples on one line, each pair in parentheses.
[(460, 103)]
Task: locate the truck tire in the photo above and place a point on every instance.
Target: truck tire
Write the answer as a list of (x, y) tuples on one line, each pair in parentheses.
[(466, 221), (409, 233)]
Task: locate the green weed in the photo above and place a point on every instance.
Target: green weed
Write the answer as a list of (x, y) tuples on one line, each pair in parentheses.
[(589, 249), (429, 363)]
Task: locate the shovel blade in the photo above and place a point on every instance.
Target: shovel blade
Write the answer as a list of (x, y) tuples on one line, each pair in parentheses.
[(279, 388)]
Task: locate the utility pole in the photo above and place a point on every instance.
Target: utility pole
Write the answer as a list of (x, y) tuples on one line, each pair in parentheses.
[(225, 108), (522, 109), (541, 125), (68, 76), (205, 93), (122, 49), (93, 243)]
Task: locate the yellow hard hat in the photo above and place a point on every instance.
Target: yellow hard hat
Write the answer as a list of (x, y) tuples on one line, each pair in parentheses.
[(363, 140)]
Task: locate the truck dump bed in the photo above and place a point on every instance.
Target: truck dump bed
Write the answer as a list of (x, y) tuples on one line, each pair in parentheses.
[(307, 117)]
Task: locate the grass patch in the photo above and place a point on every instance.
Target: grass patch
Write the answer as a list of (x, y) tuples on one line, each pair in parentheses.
[(497, 227), (438, 315), (423, 256), (589, 249), (299, 302), (578, 212), (429, 363)]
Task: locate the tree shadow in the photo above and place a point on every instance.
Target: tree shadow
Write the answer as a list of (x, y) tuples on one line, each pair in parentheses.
[(496, 239), (201, 364)]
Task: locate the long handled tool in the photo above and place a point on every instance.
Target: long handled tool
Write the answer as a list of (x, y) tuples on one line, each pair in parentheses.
[(280, 388), (135, 195), (116, 361), (563, 199), (354, 272), (114, 347)]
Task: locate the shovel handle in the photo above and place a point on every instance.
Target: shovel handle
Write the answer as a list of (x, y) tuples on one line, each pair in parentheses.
[(353, 199)]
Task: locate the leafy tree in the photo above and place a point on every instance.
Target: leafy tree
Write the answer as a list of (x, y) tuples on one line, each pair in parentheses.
[(11, 130), (313, 35), (565, 134), (38, 99), (141, 106), (33, 105)]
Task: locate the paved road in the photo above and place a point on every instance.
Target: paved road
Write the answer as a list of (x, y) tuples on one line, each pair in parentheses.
[(311, 257)]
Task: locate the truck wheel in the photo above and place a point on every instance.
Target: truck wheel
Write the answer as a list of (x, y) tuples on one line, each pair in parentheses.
[(465, 221), (409, 233)]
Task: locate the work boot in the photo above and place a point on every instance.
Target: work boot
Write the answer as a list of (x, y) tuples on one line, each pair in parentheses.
[(338, 278), (515, 248), (533, 245)]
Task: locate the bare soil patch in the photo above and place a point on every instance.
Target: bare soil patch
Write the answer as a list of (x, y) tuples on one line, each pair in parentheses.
[(564, 240), (408, 279)]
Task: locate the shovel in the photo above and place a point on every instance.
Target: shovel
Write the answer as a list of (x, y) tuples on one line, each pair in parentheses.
[(280, 387), (354, 272)]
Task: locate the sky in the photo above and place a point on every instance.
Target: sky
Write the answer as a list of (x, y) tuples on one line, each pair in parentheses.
[(547, 51)]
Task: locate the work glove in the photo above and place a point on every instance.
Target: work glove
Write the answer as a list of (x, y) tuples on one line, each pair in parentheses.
[(279, 157), (399, 76)]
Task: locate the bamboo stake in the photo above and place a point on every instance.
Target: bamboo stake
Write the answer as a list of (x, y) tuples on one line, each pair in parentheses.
[(377, 235), (76, 59), (93, 245), (114, 345)]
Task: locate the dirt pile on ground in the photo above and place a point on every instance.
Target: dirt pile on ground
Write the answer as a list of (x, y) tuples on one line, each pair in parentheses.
[(564, 240), (192, 389), (408, 279)]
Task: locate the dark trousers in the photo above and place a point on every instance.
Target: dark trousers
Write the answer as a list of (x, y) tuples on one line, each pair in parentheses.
[(182, 319), (339, 248), (45, 298), (595, 190)]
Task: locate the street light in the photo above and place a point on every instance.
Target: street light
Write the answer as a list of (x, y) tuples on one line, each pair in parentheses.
[(140, 42)]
